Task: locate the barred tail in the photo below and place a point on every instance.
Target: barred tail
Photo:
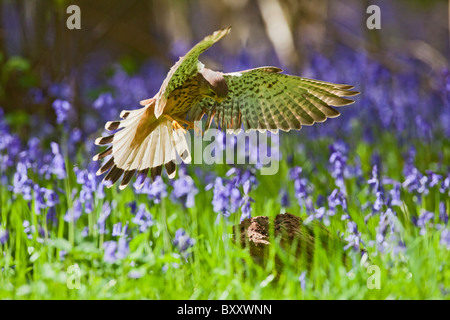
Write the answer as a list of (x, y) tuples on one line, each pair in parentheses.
[(143, 144)]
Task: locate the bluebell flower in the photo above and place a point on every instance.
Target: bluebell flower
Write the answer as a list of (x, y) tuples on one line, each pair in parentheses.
[(246, 201), (118, 231), (21, 183), (103, 101), (379, 202), (74, 213), (62, 255), (85, 232), (183, 242), (134, 274), (109, 254), (423, 220), (184, 191), (284, 199), (338, 160), (75, 135), (4, 235), (443, 214), (28, 229), (58, 166), (301, 189), (104, 214), (226, 196), (433, 178), (133, 206), (445, 185), (123, 248), (320, 214), (143, 218), (374, 181), (445, 238), (335, 199), (395, 199), (62, 108), (156, 191), (302, 280), (39, 202), (60, 90), (354, 236)]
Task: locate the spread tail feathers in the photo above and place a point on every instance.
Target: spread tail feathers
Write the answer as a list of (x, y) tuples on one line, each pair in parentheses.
[(143, 144)]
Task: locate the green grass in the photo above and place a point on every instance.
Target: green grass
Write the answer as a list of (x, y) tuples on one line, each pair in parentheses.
[(218, 268)]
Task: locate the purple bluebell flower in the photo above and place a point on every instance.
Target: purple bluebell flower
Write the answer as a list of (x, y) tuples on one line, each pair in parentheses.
[(374, 181), (338, 160), (354, 236), (182, 241), (443, 214), (395, 199), (62, 255), (28, 229), (62, 108), (445, 238), (143, 218), (4, 235), (335, 199), (118, 231), (423, 220), (301, 188), (156, 191), (39, 203), (379, 202), (246, 201), (74, 213), (433, 178), (445, 185), (284, 199), (104, 214), (60, 90), (184, 191), (21, 183), (319, 214), (226, 197), (133, 206), (104, 100), (302, 280), (110, 251), (123, 248), (85, 232), (58, 166), (75, 135), (134, 274)]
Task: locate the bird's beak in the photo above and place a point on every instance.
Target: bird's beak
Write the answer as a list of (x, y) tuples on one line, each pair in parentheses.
[(220, 99)]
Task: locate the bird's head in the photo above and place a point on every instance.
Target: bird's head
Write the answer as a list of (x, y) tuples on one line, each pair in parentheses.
[(213, 85)]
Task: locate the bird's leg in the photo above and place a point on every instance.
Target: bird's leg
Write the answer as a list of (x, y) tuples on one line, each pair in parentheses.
[(175, 123), (189, 124)]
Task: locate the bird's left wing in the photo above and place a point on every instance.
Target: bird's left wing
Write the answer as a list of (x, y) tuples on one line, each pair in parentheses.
[(185, 68), (264, 99)]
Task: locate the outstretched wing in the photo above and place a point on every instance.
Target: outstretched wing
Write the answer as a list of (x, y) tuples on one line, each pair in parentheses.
[(185, 68), (264, 99)]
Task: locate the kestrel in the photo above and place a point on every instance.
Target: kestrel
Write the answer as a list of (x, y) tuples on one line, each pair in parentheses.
[(256, 99)]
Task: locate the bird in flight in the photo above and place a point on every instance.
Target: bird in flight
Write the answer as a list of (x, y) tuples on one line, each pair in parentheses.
[(151, 137)]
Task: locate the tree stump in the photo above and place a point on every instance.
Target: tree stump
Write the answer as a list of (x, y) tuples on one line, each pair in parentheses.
[(294, 237)]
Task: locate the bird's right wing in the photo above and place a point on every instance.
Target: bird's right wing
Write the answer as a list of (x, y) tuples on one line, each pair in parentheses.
[(185, 68), (264, 99)]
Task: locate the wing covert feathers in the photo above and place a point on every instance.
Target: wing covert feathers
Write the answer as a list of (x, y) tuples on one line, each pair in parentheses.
[(264, 99)]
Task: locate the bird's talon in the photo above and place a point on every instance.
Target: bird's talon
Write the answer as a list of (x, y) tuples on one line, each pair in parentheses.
[(177, 126)]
